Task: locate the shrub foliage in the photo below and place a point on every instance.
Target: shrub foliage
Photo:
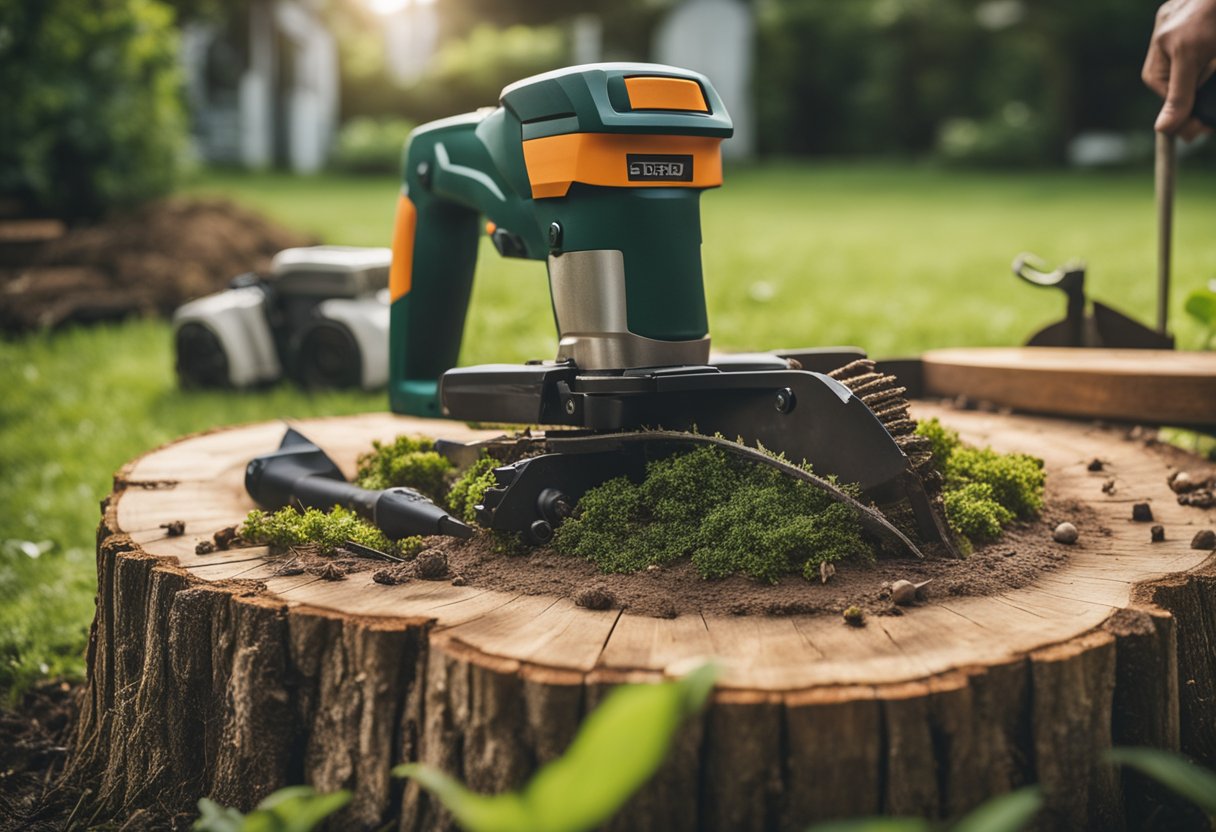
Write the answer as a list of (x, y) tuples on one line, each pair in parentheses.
[(90, 92)]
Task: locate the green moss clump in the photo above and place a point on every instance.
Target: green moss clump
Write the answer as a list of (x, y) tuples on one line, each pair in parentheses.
[(1016, 480), (941, 438), (728, 515), (326, 530), (974, 512), (466, 492), (608, 528), (984, 490), (407, 461)]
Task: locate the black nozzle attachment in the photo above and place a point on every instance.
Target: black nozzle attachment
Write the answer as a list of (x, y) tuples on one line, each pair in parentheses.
[(401, 512), (300, 474)]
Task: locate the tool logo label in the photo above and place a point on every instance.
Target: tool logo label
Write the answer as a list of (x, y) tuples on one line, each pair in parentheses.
[(666, 168)]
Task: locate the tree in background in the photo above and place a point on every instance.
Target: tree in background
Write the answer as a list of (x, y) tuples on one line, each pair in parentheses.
[(89, 96), (984, 81)]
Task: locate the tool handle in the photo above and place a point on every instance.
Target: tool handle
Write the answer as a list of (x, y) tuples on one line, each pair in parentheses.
[(1163, 178), (435, 241), (457, 170)]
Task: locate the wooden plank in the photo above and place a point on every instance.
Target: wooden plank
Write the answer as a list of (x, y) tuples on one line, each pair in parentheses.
[(1150, 386)]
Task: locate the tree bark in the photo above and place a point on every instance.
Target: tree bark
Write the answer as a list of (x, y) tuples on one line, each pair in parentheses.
[(212, 676)]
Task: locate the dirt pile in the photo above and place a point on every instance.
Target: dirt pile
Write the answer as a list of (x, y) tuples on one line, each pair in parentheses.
[(146, 262)]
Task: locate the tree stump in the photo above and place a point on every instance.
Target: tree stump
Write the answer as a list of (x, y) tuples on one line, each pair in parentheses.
[(210, 676)]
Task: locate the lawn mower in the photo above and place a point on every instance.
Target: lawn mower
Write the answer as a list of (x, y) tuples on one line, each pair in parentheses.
[(320, 318)]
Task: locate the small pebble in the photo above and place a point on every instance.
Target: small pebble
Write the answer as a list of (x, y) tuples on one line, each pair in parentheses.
[(1205, 539), (1108, 487), (459, 581), (1065, 533), (905, 593), (595, 597), (1181, 482), (1158, 533), (1140, 433), (854, 617), (1096, 464), (1142, 513), (390, 576), (204, 547), (1200, 498), (224, 537), (175, 528)]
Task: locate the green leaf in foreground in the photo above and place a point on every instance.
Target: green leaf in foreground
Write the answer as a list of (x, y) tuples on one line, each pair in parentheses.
[(291, 809), (1173, 771), (504, 812), (618, 748), (212, 817), (1201, 305), (1007, 813), (874, 825)]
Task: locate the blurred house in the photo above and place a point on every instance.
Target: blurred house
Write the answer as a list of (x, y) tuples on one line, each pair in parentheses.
[(411, 34), (263, 90), (716, 38), (263, 83)]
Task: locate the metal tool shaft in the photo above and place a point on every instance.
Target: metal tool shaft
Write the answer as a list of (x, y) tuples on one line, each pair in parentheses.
[(1164, 176)]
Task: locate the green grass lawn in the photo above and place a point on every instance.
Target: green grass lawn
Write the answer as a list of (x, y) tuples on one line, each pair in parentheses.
[(893, 259)]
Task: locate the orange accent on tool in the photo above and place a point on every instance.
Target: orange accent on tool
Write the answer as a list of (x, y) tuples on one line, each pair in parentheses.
[(649, 92), (491, 228), (401, 270), (555, 162)]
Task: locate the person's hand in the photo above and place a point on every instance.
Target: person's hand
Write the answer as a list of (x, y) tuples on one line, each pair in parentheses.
[(1180, 58)]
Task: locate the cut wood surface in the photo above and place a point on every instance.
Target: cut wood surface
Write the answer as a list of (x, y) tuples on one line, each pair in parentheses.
[(1161, 387), (332, 682)]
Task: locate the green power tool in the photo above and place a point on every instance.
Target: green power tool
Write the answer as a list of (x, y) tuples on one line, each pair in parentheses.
[(590, 168), (598, 170)]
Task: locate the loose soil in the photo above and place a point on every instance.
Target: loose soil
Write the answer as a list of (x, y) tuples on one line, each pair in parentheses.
[(33, 749), (146, 262), (1023, 553)]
